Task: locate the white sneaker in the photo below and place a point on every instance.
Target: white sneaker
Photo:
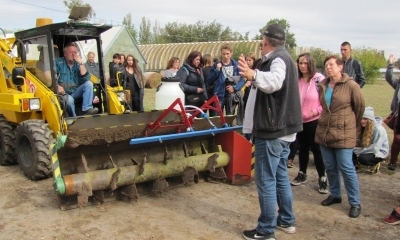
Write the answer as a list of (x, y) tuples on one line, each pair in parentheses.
[(286, 228), (323, 185)]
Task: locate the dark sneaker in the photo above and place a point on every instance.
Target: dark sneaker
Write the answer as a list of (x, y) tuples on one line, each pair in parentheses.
[(286, 228), (374, 169), (355, 211), (301, 178), (253, 234), (290, 163), (331, 200), (391, 166), (357, 166), (323, 185), (90, 111), (392, 219)]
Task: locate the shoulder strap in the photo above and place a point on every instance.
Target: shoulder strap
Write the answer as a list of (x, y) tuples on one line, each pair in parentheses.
[(186, 70), (356, 66)]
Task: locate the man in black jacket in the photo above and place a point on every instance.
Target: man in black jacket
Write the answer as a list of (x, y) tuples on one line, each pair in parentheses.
[(351, 66), (273, 116), (113, 68)]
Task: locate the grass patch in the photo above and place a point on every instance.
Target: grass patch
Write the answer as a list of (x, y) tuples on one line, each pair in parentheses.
[(379, 96)]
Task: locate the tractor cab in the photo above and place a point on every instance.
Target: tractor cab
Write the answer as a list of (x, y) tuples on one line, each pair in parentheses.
[(39, 48)]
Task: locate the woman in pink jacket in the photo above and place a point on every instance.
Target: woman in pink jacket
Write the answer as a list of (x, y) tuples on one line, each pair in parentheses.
[(311, 109)]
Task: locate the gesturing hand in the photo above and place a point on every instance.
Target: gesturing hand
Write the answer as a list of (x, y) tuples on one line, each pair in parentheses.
[(244, 69), (392, 59)]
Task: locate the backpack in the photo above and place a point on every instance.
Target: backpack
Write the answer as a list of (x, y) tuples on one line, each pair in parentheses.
[(356, 66)]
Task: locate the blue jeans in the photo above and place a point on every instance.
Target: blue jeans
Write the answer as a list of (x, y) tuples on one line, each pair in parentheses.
[(340, 159), (84, 92), (273, 185)]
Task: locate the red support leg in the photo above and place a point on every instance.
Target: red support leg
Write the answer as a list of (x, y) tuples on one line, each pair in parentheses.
[(239, 170)]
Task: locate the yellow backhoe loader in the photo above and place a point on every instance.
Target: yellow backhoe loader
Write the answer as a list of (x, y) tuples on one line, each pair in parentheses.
[(105, 155)]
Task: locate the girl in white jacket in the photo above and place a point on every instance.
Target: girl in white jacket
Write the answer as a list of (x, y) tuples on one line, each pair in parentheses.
[(373, 147)]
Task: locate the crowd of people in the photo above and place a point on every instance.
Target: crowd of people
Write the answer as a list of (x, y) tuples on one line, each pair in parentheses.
[(324, 114), (285, 107)]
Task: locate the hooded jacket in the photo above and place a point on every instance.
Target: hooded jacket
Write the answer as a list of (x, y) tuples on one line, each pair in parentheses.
[(309, 98), (337, 124), (380, 143)]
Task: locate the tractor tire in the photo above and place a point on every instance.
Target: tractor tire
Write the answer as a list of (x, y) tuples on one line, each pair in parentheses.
[(7, 141), (32, 143)]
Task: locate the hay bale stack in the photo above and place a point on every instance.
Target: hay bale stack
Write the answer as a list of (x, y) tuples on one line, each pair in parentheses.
[(153, 79)]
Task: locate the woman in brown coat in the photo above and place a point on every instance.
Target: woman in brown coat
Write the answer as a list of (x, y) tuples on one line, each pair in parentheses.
[(343, 107)]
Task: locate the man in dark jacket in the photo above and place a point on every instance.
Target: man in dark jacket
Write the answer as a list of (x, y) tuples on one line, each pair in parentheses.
[(113, 68), (351, 66), (273, 115)]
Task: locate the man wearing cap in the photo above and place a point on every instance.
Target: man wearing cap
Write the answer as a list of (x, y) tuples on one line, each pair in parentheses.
[(273, 117)]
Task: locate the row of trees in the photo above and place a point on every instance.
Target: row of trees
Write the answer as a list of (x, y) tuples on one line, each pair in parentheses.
[(176, 32), (371, 59)]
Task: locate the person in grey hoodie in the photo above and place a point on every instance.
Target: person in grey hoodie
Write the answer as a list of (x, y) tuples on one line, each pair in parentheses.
[(373, 147)]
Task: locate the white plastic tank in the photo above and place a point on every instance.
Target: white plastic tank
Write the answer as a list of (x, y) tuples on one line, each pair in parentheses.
[(168, 91)]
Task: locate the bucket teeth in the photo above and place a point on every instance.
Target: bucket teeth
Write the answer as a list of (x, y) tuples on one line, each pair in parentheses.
[(114, 179), (144, 160), (84, 193), (219, 174), (98, 196), (129, 191), (112, 161), (212, 162), (185, 150), (84, 162), (190, 175), (165, 155), (160, 185), (203, 149)]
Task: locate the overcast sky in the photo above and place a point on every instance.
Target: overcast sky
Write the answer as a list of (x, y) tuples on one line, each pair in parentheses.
[(315, 23)]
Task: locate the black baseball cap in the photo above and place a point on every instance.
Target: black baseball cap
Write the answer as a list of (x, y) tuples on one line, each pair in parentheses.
[(275, 31)]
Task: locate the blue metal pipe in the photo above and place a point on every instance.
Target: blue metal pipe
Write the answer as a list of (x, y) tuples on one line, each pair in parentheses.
[(174, 136)]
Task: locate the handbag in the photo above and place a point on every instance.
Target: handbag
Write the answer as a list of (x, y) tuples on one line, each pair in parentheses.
[(195, 98), (389, 120)]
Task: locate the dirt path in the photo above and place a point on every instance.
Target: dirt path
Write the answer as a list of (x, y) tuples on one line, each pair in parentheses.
[(28, 210)]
